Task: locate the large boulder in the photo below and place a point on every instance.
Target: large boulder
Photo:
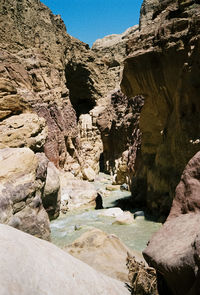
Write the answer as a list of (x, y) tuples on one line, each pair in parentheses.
[(121, 217), (24, 130), (22, 181), (174, 250), (76, 193), (33, 266), (104, 252)]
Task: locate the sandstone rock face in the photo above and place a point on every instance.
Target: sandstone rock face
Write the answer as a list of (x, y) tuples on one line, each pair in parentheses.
[(91, 145), (51, 197), (174, 250), (112, 50), (119, 126), (48, 269), (46, 71), (21, 192), (32, 53), (105, 253), (24, 130), (24, 179), (163, 67)]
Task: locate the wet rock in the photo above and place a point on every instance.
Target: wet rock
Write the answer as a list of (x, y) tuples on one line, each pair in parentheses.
[(121, 217), (139, 214), (112, 187), (99, 202), (77, 227), (125, 218), (124, 187), (111, 212), (104, 252), (48, 269)]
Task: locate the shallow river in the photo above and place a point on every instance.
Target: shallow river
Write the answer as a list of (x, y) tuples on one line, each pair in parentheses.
[(134, 236)]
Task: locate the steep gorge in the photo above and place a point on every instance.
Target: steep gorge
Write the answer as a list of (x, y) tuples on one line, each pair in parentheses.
[(85, 123), (46, 71), (163, 66), (61, 98)]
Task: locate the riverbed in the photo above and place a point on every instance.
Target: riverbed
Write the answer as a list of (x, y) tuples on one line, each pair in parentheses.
[(73, 224)]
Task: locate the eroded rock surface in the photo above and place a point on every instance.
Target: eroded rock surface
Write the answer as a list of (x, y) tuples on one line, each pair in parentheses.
[(24, 130), (76, 193), (48, 269), (23, 178), (105, 253), (174, 250), (163, 66), (119, 126), (21, 192), (46, 71)]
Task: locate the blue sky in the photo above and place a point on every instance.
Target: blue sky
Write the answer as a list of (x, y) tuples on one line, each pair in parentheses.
[(89, 20)]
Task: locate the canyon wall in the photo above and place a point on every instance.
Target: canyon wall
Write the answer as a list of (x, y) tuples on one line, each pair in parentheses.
[(46, 71), (54, 92), (163, 67)]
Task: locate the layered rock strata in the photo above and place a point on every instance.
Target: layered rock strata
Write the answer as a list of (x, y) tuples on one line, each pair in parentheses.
[(46, 71), (33, 72), (24, 187), (163, 66), (119, 126)]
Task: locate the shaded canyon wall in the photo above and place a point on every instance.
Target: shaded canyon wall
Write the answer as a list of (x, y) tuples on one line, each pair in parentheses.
[(163, 66)]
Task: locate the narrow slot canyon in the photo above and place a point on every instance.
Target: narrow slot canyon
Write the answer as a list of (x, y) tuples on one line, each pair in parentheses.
[(100, 154)]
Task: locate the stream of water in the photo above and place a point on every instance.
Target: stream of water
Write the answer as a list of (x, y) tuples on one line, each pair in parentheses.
[(69, 227)]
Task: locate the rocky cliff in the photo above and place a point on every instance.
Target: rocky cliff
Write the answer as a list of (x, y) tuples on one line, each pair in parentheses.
[(46, 71), (163, 66), (54, 92)]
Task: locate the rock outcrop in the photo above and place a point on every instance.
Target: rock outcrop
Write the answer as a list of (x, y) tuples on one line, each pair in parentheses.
[(24, 130), (163, 66), (105, 253), (174, 250), (24, 179), (47, 72), (35, 266), (32, 73), (76, 193), (119, 126)]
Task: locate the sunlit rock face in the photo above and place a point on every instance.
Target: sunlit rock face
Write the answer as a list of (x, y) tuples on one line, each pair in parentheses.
[(25, 186), (32, 53), (163, 66), (48, 269), (46, 71)]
